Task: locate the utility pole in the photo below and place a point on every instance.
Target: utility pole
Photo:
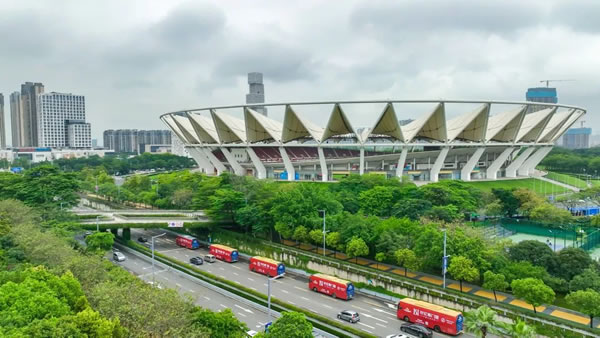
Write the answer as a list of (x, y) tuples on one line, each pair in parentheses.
[(323, 211), (97, 226), (444, 261)]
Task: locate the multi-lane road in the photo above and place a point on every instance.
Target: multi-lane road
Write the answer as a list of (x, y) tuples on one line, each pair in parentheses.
[(378, 317)]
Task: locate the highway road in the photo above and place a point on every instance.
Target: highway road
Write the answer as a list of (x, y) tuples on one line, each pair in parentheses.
[(377, 316)]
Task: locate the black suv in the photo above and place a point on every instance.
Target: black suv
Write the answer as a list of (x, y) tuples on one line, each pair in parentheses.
[(416, 330), (196, 260), (142, 239)]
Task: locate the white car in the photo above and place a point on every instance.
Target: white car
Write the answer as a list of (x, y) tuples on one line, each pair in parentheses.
[(157, 284), (118, 256), (399, 335), (251, 333)]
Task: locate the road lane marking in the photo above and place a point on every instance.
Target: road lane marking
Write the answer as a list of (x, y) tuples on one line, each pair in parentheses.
[(250, 279), (369, 316), (385, 312), (360, 308), (178, 249), (327, 306), (241, 314), (206, 298), (380, 325), (186, 255), (165, 277), (243, 308), (253, 288), (284, 291), (222, 268), (291, 302), (299, 288), (235, 273), (237, 267), (265, 284), (305, 298), (178, 285), (192, 291), (223, 306), (369, 326)]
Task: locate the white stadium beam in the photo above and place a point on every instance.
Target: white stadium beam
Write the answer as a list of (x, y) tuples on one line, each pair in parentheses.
[(528, 166), (471, 126), (289, 167), (554, 125), (214, 160), (229, 128), (168, 119), (504, 127), (338, 124), (205, 128), (432, 126), (511, 170), (295, 127), (361, 165), (200, 157), (437, 165), (465, 173), (261, 171), (534, 124), (401, 162), (574, 117), (233, 163), (323, 163), (492, 170), (186, 128), (387, 124), (261, 128)]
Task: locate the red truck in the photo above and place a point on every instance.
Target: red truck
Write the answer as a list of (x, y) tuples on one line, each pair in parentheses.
[(266, 266), (333, 286), (432, 316), (224, 253), (187, 242)]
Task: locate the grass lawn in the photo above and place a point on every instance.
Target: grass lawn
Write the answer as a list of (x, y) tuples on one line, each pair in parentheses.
[(539, 186), (153, 215), (595, 183), (567, 179)]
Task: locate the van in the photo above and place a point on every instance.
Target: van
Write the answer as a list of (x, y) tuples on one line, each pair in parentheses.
[(210, 258), (118, 257)]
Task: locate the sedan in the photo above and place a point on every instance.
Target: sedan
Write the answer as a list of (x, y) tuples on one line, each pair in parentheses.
[(142, 239), (351, 316), (196, 260), (417, 330), (398, 335)]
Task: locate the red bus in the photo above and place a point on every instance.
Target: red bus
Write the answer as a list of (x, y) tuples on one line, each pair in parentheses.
[(433, 316), (224, 253), (266, 266), (333, 286), (187, 242)]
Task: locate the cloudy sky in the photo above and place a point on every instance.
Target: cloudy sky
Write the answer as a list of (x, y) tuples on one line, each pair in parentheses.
[(136, 59)]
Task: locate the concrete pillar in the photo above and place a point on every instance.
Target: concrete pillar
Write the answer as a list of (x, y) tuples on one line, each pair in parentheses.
[(214, 160), (437, 165), (261, 172), (323, 163), (529, 166), (237, 168), (401, 162), (511, 170), (465, 173), (361, 166), (202, 160), (288, 164), (492, 171)]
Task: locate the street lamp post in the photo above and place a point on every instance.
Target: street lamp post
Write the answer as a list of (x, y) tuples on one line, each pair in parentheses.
[(323, 211), (153, 237), (97, 225), (444, 261), (269, 279)]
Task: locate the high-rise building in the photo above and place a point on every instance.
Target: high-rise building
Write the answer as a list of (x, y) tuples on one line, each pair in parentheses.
[(257, 91), (30, 92), (2, 124), (16, 120), (61, 121), (133, 140), (540, 94), (577, 138)]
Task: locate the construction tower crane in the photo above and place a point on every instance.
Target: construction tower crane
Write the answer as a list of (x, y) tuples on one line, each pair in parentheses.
[(548, 81)]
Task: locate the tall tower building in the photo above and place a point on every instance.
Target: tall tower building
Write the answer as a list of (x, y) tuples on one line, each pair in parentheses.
[(540, 94), (61, 121), (257, 91), (16, 119), (2, 124), (30, 92)]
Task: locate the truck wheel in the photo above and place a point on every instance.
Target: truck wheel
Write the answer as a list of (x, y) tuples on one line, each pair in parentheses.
[(406, 319), (315, 289), (437, 328), (333, 295)]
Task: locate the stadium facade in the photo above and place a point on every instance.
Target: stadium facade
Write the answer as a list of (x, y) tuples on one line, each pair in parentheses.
[(476, 144)]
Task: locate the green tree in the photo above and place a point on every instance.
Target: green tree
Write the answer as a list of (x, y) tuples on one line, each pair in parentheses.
[(224, 204), (588, 279), (586, 301), (316, 236), (523, 269), (462, 269), (510, 204), (377, 201), (520, 329), (222, 324), (446, 213), (494, 282), (182, 198), (411, 208), (102, 241), (481, 321), (300, 234), (291, 325), (535, 252), (334, 240), (356, 247), (379, 257), (533, 291), (494, 209), (407, 259), (572, 262)]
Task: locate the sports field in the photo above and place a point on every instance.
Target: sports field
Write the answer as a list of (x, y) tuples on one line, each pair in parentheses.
[(560, 242), (539, 186), (567, 179)]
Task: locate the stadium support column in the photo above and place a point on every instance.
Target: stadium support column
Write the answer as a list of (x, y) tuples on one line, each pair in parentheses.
[(291, 173), (492, 171), (437, 165), (214, 160), (261, 172), (401, 162), (202, 160), (529, 166), (511, 170), (237, 168), (465, 173), (361, 166), (324, 172)]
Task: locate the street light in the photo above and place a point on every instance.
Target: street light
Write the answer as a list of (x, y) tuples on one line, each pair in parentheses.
[(323, 211), (153, 237), (444, 261), (269, 279)]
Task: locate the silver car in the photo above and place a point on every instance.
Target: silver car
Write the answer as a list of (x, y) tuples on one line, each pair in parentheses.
[(351, 316), (118, 257)]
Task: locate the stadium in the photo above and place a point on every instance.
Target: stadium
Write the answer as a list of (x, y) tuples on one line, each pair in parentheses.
[(438, 139)]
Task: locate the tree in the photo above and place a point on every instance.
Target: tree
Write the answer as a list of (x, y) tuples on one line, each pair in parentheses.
[(494, 208), (481, 321), (572, 262), (102, 241), (357, 247), (334, 240), (588, 279), (224, 204), (377, 201), (520, 329), (300, 234), (316, 236), (535, 252), (510, 204), (462, 268), (379, 257), (523, 269), (290, 325), (586, 301), (548, 213), (407, 259), (222, 324), (533, 291), (446, 213), (494, 282), (411, 208), (182, 197)]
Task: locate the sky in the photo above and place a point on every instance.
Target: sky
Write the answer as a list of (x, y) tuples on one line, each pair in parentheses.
[(137, 59)]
